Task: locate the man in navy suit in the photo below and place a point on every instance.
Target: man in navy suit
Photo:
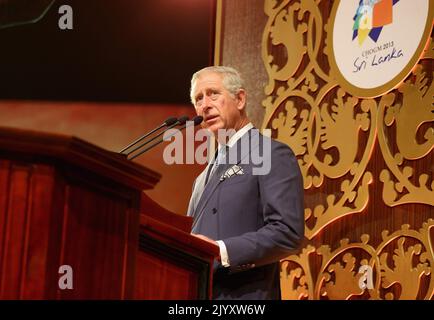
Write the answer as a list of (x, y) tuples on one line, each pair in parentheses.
[(253, 211)]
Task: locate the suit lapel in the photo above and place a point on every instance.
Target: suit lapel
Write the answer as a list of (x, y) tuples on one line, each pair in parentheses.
[(210, 187), (198, 190), (215, 180)]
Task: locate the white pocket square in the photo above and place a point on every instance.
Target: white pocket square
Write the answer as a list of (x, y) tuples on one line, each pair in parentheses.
[(232, 171)]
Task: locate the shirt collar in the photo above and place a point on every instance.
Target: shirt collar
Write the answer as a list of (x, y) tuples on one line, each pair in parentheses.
[(237, 135)]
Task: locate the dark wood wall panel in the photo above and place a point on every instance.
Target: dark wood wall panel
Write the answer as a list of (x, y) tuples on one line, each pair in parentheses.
[(240, 47)]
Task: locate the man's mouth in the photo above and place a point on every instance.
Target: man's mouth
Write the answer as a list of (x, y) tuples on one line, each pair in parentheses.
[(210, 118)]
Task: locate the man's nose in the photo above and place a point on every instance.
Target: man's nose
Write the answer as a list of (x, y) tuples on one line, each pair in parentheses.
[(206, 103)]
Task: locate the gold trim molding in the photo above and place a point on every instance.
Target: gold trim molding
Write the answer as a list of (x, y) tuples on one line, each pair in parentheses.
[(218, 32)]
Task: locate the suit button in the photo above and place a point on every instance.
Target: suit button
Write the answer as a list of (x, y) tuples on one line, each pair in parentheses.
[(214, 210)]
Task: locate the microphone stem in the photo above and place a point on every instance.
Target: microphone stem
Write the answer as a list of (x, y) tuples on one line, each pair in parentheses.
[(154, 144), (141, 138), (153, 138)]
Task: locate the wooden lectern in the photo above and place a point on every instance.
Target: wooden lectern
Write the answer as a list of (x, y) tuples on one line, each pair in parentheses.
[(75, 224)]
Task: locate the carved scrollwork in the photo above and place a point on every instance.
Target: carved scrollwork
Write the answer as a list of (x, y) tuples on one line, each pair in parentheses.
[(416, 109), (327, 138), (342, 275), (334, 135), (313, 128)]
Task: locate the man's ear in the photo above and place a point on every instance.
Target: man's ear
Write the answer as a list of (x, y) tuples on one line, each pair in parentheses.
[(241, 96)]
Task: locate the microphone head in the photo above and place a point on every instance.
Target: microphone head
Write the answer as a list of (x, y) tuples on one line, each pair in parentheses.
[(197, 120), (182, 120), (169, 121)]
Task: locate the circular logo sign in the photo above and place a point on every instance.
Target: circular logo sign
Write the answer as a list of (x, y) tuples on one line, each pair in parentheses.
[(376, 43)]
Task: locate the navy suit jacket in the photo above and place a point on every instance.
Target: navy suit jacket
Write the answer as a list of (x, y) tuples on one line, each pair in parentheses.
[(260, 218)]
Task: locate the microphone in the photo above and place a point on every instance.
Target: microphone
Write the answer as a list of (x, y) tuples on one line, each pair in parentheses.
[(196, 120), (179, 121), (168, 122)]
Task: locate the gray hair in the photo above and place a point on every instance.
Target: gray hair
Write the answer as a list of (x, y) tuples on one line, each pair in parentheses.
[(232, 80)]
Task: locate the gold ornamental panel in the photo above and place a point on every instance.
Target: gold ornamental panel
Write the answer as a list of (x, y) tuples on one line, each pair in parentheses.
[(332, 133), (393, 269), (346, 145)]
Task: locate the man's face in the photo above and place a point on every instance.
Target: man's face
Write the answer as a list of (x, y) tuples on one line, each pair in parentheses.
[(219, 109)]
